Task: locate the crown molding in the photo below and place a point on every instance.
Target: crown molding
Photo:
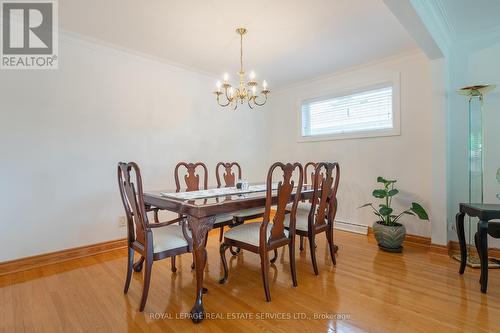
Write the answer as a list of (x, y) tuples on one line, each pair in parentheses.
[(90, 42), (434, 16)]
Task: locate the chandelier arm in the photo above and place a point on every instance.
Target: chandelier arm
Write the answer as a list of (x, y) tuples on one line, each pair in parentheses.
[(235, 105), (227, 97), (249, 102), (260, 104), (223, 105)]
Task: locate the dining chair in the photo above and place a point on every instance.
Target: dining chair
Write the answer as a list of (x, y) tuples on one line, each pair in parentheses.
[(303, 205), (229, 177), (262, 237), (191, 176), (153, 241), (306, 167), (192, 181), (321, 215)]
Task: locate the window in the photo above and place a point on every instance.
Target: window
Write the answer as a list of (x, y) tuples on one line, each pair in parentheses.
[(364, 113)]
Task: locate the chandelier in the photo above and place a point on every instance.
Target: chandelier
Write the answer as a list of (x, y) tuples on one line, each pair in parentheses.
[(246, 92)]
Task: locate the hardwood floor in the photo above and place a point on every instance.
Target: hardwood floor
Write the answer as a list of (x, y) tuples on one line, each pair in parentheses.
[(369, 290)]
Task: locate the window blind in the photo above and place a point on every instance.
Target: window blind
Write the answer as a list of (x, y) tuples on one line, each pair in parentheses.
[(359, 112)]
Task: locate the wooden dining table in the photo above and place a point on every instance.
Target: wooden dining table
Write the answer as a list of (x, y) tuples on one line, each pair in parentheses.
[(200, 213)]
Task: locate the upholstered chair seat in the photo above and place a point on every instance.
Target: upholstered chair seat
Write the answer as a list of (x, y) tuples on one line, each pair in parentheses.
[(300, 220), (248, 233), (301, 206), (246, 213), (168, 237), (222, 219)]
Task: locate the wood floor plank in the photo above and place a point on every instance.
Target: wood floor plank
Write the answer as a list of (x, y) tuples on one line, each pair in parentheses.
[(368, 291)]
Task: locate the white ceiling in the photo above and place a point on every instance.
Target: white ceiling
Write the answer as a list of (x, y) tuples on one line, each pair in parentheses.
[(288, 40)]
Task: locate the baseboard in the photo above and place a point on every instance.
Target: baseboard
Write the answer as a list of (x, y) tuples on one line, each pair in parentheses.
[(453, 247), (351, 227), (440, 249), (23, 264), (59, 256)]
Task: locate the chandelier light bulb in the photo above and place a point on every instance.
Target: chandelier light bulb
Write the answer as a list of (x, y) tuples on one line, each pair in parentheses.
[(252, 75), (218, 84), (254, 90), (226, 77), (264, 84)]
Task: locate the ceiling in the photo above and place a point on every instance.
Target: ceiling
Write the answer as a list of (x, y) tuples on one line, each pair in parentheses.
[(288, 40)]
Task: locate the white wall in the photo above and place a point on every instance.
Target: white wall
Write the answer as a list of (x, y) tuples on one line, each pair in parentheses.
[(62, 133), (439, 202), (407, 158)]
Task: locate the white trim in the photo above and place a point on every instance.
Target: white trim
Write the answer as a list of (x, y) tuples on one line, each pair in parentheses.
[(377, 81), (351, 227), (72, 37)]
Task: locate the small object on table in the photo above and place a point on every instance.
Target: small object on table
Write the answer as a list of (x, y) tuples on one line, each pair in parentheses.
[(242, 184), (485, 213)]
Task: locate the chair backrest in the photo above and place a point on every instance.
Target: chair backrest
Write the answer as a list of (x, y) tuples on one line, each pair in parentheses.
[(133, 201), (285, 191), (191, 178), (324, 199), (306, 174), (229, 176)]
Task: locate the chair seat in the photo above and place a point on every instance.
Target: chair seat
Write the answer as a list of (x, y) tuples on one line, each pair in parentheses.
[(249, 212), (301, 220), (248, 233), (168, 237), (222, 219), (301, 206)]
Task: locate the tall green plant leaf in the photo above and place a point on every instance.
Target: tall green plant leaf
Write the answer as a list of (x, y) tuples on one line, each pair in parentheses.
[(379, 193), (385, 211), (392, 192), (419, 210)]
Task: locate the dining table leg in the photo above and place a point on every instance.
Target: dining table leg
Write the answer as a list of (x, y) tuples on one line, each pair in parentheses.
[(199, 229)]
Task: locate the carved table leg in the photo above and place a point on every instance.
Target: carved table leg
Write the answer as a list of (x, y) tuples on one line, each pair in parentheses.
[(461, 239), (199, 228), (482, 229)]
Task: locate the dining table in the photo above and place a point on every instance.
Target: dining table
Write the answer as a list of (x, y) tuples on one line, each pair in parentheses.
[(200, 209)]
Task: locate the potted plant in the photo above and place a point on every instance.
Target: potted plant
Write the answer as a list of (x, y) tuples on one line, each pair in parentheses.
[(389, 233)]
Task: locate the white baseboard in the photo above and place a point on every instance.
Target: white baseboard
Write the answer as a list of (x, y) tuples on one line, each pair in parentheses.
[(351, 227)]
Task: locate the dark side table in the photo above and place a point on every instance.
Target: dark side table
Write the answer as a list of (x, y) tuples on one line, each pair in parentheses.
[(485, 213)]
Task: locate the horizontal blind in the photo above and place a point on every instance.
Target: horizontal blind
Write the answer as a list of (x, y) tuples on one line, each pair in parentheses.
[(360, 112)]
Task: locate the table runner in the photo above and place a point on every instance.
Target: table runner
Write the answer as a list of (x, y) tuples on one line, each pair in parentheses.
[(216, 192)]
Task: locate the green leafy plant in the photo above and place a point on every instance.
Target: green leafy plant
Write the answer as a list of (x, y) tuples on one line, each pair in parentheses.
[(385, 211)]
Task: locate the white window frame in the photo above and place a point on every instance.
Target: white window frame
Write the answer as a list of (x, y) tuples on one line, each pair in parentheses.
[(381, 82)]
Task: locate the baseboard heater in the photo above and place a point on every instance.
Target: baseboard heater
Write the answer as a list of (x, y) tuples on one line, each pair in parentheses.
[(351, 227)]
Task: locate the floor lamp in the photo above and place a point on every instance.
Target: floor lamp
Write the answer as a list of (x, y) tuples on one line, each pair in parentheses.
[(475, 156)]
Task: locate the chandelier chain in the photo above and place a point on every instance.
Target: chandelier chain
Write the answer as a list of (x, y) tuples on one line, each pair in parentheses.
[(241, 53)]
